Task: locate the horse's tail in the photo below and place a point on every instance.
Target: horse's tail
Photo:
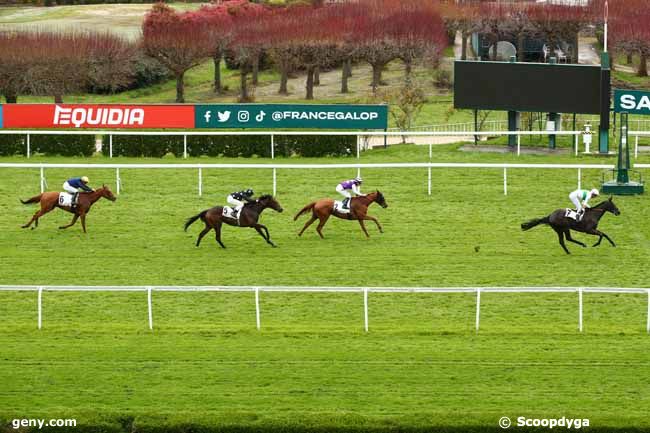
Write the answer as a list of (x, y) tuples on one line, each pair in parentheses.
[(304, 210), (34, 199), (191, 220), (534, 222)]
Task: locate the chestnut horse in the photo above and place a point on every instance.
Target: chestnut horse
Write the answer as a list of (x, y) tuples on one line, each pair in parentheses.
[(250, 213), (50, 200), (323, 208)]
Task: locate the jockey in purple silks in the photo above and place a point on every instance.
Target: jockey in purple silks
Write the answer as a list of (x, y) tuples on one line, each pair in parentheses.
[(346, 186)]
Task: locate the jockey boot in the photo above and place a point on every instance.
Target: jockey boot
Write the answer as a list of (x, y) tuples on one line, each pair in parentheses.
[(581, 213), (75, 197), (346, 203)]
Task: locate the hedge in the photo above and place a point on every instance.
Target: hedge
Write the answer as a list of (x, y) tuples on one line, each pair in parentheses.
[(66, 145), (231, 145)]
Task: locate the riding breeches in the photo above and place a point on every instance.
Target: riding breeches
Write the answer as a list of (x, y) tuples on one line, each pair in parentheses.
[(575, 199), (69, 188), (344, 192), (238, 204)]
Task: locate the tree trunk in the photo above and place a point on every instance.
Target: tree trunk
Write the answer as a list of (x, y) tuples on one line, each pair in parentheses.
[(643, 66), (284, 78), (243, 86), (494, 49), (11, 99), (521, 56), (463, 50), (576, 49), (628, 58), (180, 87), (344, 77), (317, 76), (348, 62), (217, 73), (310, 83), (376, 76), (408, 69), (58, 99), (256, 68)]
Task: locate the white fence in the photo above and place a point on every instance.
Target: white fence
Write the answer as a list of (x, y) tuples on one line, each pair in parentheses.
[(200, 167), (365, 291)]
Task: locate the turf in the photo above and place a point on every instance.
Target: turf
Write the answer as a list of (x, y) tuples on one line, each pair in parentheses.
[(421, 367)]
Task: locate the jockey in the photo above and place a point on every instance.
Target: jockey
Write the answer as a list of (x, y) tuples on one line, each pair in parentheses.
[(580, 198), (75, 185), (237, 199), (346, 186)]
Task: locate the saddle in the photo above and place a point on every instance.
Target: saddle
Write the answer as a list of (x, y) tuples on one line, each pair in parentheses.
[(338, 207), (65, 199), (570, 213), (229, 212)]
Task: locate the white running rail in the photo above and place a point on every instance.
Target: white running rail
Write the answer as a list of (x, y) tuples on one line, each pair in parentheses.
[(362, 290)]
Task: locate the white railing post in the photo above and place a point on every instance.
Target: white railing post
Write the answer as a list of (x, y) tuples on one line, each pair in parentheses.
[(40, 307), (365, 309), (575, 144), (42, 180), (274, 170), (185, 146), (429, 170), (29, 150), (150, 308), (636, 146), (580, 309), (110, 145), (579, 178), (118, 181), (200, 181), (518, 144), (257, 308), (505, 181), (358, 156), (478, 308)]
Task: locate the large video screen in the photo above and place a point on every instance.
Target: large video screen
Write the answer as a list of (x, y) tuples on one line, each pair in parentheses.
[(540, 87)]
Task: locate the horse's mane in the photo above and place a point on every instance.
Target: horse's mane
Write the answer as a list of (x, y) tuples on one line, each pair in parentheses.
[(265, 197)]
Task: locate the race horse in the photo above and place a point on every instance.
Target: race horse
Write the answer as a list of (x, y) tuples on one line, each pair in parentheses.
[(250, 213), (50, 200), (322, 209), (588, 224)]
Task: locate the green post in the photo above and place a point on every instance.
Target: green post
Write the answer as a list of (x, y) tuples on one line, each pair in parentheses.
[(622, 175), (605, 91)]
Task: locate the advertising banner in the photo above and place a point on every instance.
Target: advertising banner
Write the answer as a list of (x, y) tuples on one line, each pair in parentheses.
[(289, 116), (97, 116), (631, 101)]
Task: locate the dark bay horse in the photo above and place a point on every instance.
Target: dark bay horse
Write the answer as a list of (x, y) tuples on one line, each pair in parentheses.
[(322, 209), (250, 213), (588, 224), (50, 200)]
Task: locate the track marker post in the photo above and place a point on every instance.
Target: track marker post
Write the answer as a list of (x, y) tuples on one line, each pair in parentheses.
[(257, 308), (40, 307), (150, 308)]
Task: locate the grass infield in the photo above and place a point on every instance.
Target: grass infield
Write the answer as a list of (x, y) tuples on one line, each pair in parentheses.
[(422, 367)]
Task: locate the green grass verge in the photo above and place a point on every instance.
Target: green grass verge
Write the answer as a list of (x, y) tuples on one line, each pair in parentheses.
[(311, 368)]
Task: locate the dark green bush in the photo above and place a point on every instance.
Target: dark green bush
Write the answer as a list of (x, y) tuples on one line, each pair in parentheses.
[(13, 144), (144, 145), (66, 145)]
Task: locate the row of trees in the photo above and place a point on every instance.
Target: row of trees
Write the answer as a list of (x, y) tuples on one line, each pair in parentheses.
[(295, 38)]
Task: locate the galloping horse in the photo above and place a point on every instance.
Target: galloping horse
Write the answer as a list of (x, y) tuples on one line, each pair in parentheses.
[(50, 200), (248, 216), (323, 208), (588, 224)]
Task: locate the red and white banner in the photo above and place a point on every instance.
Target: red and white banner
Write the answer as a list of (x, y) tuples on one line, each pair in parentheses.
[(97, 116)]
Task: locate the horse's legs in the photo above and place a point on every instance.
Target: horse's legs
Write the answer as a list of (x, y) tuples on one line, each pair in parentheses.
[(39, 213), (217, 231), (83, 221), (203, 233), (74, 220), (363, 227), (570, 239), (371, 218), (307, 224), (323, 220), (560, 235), (601, 235), (266, 237)]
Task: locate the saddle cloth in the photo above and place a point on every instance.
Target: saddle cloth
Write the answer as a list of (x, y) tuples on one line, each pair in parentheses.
[(570, 213), (65, 199), (229, 212), (338, 207)]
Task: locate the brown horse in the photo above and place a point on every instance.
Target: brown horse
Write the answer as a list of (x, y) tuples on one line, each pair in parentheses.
[(323, 208), (250, 213), (50, 200)]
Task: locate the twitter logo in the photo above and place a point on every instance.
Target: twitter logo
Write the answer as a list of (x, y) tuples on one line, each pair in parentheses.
[(223, 117)]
